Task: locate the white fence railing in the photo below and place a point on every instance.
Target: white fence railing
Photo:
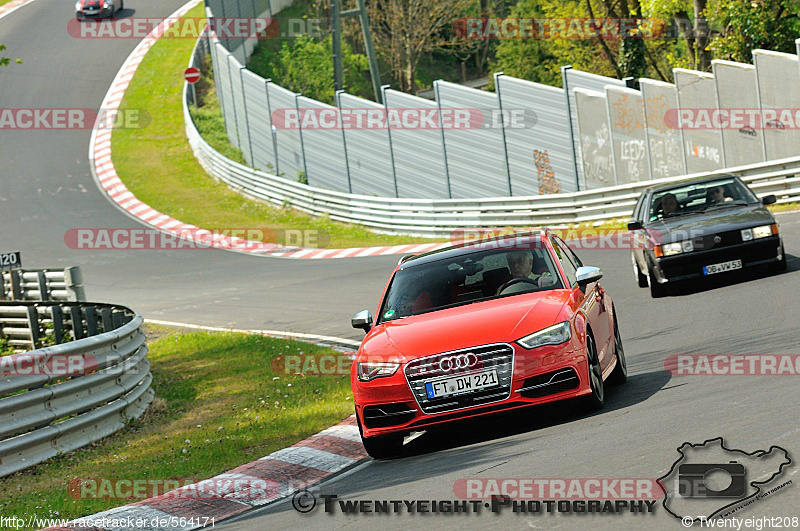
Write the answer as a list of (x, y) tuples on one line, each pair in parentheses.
[(42, 285), (59, 398)]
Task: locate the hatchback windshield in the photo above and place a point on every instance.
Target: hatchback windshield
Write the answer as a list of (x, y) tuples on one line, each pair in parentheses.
[(477, 276), (699, 197)]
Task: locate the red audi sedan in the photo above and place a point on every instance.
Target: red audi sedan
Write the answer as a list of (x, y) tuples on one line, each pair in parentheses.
[(479, 328)]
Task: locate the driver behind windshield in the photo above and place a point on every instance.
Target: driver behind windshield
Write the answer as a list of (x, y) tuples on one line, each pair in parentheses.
[(520, 263), (669, 204)]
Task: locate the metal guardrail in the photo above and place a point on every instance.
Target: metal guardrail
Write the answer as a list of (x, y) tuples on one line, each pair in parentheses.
[(46, 411), (42, 285)]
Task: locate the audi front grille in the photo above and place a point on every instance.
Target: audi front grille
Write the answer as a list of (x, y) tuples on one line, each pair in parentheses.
[(499, 357)]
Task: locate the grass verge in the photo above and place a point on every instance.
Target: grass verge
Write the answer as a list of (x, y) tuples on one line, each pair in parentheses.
[(156, 163), (207, 418)]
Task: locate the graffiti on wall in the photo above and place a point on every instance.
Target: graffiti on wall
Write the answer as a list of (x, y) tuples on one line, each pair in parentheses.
[(632, 154), (666, 157), (545, 176), (598, 161), (625, 116)]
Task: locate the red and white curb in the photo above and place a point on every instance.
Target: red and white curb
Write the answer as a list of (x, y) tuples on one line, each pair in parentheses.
[(280, 473), (118, 193), (12, 6)]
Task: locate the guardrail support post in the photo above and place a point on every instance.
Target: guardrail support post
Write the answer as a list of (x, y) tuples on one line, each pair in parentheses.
[(44, 293), (73, 279), (76, 315), (118, 318), (33, 326), (16, 286), (108, 321), (58, 323), (91, 321)]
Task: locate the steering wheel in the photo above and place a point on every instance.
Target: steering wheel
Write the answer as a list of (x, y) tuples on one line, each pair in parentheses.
[(517, 281)]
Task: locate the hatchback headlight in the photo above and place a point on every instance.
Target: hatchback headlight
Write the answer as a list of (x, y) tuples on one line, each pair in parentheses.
[(762, 232), (369, 370), (78, 5), (671, 248), (553, 335)]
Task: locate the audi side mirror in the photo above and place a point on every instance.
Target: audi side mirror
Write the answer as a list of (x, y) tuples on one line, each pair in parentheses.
[(588, 274), (635, 225), (362, 320), (768, 199)]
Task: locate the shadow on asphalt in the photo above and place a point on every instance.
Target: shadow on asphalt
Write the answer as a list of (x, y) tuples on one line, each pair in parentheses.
[(422, 458), (637, 389), (724, 280)]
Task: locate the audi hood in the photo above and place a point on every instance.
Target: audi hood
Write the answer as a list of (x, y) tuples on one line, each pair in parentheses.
[(502, 320)]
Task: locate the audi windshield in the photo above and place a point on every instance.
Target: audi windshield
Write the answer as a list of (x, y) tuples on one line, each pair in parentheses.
[(467, 278)]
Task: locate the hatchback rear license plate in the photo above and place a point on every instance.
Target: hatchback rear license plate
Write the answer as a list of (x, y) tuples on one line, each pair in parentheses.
[(461, 384), (722, 267)]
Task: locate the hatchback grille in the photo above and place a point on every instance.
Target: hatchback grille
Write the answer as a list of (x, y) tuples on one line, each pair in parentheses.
[(549, 383), (499, 357), (388, 415)]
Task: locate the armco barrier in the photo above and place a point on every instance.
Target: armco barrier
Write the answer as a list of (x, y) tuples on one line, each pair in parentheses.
[(439, 217), (46, 411), (42, 285)]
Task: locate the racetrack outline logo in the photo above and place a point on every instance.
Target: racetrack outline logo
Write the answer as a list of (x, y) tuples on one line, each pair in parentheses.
[(716, 444)]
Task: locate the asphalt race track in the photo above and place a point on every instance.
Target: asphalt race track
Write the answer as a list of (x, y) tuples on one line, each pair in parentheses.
[(47, 189)]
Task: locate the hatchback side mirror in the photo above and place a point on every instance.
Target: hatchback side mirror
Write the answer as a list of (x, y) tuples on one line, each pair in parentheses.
[(635, 225), (769, 199), (362, 320), (588, 274)]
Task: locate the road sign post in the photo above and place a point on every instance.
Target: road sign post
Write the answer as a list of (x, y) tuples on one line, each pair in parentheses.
[(192, 76)]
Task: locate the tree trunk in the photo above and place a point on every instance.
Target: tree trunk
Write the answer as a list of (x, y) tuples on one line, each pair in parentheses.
[(702, 35)]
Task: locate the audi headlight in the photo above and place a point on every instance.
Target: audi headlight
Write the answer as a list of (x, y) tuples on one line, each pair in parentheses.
[(553, 335), (763, 231), (369, 370), (78, 5)]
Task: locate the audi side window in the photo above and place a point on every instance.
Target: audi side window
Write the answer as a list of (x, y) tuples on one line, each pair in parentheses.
[(570, 269), (571, 254)]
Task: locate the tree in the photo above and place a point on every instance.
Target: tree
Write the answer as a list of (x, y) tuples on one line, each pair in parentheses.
[(405, 30), (305, 66), (748, 25)]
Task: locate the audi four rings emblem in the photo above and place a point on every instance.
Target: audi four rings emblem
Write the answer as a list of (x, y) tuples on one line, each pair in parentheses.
[(461, 361)]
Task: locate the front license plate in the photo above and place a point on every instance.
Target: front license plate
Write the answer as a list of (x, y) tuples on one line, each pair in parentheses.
[(461, 384), (722, 267)]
